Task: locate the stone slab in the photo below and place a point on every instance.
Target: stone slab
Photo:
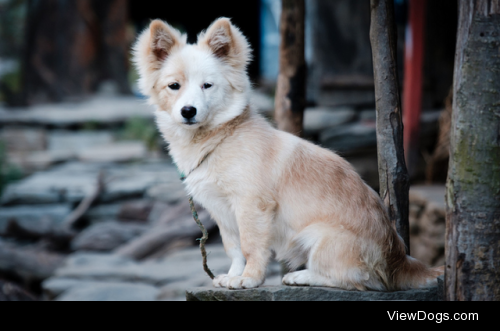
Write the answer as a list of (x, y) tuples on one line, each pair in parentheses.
[(111, 292), (350, 137), (74, 181), (288, 293), (104, 110), (71, 141), (113, 268), (107, 236), (123, 151), (39, 219), (321, 118)]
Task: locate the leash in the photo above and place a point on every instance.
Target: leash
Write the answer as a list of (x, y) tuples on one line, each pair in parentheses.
[(204, 231)]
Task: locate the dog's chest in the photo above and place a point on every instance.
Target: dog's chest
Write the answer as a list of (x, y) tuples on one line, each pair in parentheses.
[(209, 192)]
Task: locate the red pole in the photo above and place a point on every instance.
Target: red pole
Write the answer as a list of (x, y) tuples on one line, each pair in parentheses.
[(412, 88)]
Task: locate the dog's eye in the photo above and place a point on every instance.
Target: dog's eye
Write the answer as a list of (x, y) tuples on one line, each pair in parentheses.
[(206, 86), (174, 86)]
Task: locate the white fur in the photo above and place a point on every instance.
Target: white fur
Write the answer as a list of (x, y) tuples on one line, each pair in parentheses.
[(269, 191)]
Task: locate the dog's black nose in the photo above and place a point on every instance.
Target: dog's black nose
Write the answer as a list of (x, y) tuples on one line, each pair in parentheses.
[(188, 112)]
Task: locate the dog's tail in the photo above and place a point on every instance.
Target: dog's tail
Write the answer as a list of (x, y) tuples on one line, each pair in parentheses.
[(414, 274), (407, 272)]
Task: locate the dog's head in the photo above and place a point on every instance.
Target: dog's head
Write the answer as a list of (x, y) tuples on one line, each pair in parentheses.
[(194, 84)]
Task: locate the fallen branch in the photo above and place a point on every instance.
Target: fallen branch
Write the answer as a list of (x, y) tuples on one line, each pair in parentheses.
[(84, 206), (175, 225)]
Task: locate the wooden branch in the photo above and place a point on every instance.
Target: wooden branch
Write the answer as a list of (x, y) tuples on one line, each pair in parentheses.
[(152, 242), (291, 90), (472, 245), (86, 203), (393, 174), (175, 226)]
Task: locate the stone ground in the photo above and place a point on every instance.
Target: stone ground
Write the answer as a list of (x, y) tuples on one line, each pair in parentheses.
[(138, 240), (108, 277)]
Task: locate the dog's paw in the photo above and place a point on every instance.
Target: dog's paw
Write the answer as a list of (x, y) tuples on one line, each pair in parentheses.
[(298, 278), (238, 283), (221, 281)]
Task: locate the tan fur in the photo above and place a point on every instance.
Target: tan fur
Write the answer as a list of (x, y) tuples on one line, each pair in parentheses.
[(269, 191)]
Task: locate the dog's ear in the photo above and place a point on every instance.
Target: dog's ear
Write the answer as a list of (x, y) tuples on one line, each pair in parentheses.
[(155, 44), (163, 39), (152, 48), (226, 42)]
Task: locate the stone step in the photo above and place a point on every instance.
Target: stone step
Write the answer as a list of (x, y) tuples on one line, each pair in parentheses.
[(288, 293), (98, 110)]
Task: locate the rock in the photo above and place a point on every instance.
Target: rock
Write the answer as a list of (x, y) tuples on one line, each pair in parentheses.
[(50, 187), (30, 264), (366, 165), (23, 140), (135, 211), (71, 141), (174, 224), (350, 138), (171, 193), (428, 224), (135, 181), (73, 181), (110, 292), (105, 237), (318, 119), (347, 97), (285, 293), (54, 287), (178, 266), (37, 161), (176, 291), (61, 146), (106, 111), (41, 219), (12, 292), (114, 152), (368, 115), (103, 213)]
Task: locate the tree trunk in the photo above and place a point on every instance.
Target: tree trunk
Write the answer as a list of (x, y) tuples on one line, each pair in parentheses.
[(394, 180), (71, 46), (473, 188), (291, 89)]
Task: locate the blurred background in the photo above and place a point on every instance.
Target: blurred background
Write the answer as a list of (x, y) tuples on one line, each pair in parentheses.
[(91, 206)]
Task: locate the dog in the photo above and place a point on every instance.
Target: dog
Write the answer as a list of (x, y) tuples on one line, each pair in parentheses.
[(271, 193)]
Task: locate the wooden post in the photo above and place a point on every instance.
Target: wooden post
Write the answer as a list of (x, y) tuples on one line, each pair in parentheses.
[(394, 181), (472, 245), (291, 90), (412, 96)]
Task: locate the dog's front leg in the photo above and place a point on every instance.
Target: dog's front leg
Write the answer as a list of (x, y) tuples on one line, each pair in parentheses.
[(254, 218), (231, 242)]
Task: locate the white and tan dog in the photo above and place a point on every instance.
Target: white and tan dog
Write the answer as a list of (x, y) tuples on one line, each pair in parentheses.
[(269, 191)]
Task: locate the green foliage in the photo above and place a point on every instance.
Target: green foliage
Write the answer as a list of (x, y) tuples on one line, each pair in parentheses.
[(142, 129), (10, 81), (8, 172)]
